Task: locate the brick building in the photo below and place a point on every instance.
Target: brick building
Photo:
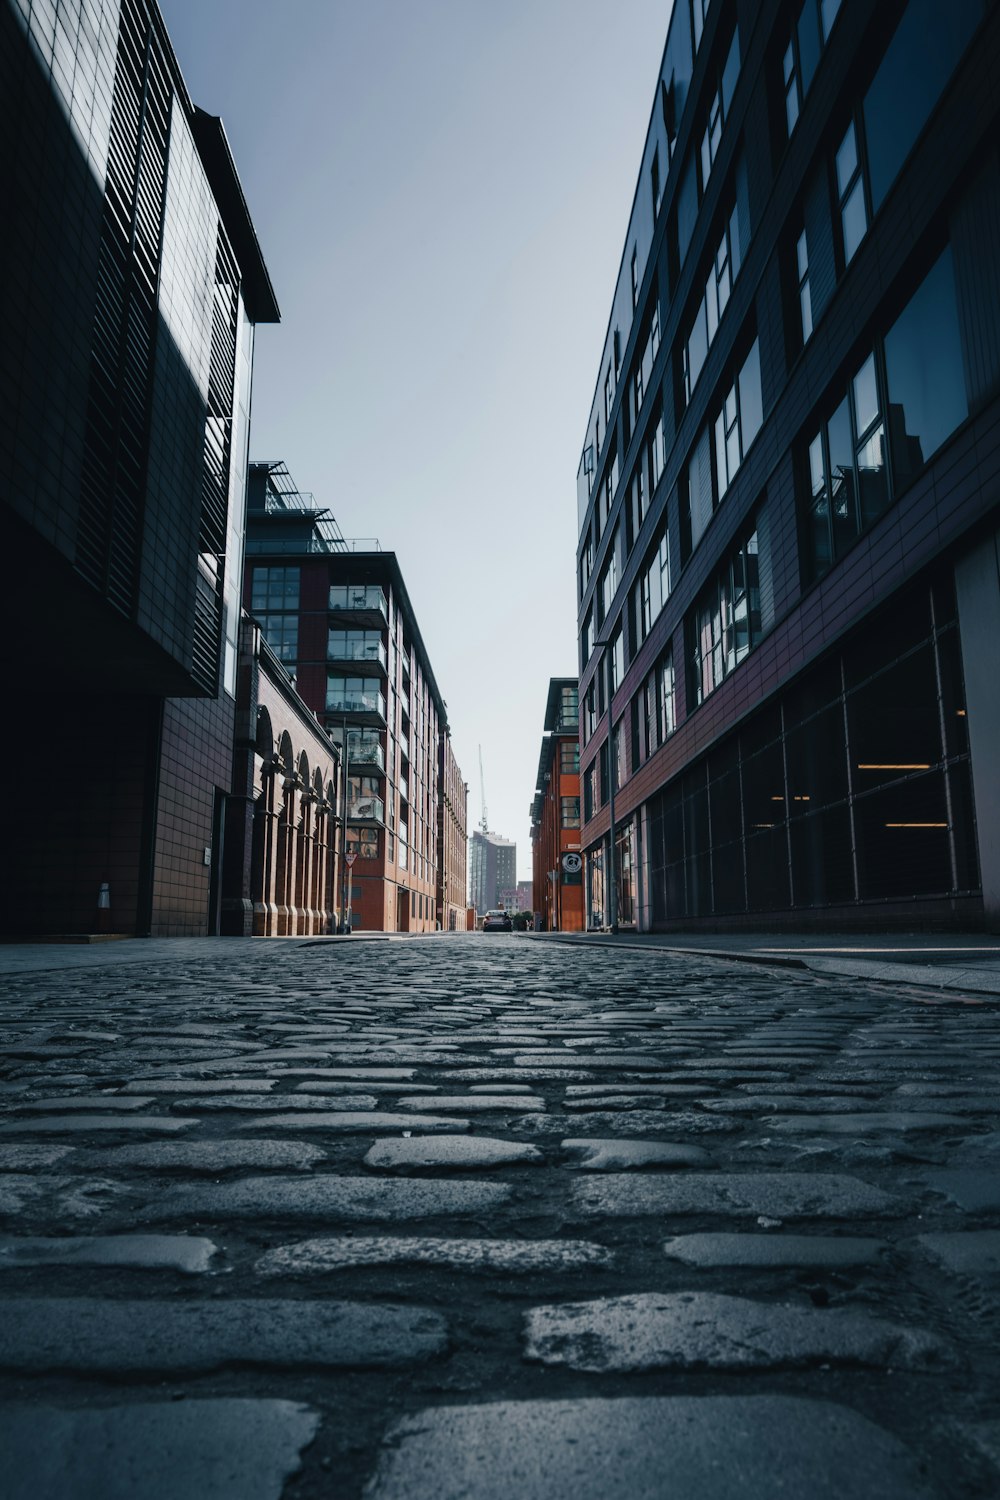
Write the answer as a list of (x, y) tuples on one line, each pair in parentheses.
[(284, 817), (453, 799), (130, 284), (557, 876), (338, 615), (789, 493)]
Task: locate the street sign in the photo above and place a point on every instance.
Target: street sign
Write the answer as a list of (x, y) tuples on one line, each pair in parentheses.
[(349, 858), (572, 863)]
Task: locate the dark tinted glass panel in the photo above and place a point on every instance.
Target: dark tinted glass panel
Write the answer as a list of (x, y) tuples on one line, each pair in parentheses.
[(726, 811), (764, 790), (923, 355), (903, 839), (894, 722), (767, 870), (818, 689), (809, 42), (761, 730), (844, 504), (956, 724), (918, 63), (728, 889), (817, 762), (822, 867), (964, 823), (888, 634)]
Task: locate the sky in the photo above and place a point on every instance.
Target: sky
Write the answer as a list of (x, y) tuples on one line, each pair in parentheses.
[(441, 190)]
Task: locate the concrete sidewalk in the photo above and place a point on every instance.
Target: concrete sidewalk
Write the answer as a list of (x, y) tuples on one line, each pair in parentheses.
[(967, 961)]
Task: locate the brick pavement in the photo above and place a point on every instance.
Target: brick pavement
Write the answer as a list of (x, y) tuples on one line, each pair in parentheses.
[(484, 1217)]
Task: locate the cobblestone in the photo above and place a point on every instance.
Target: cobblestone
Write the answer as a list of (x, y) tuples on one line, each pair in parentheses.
[(771, 1198)]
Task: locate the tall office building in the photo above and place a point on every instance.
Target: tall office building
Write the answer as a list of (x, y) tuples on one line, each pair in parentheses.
[(131, 281), (492, 869), (338, 616), (788, 493)]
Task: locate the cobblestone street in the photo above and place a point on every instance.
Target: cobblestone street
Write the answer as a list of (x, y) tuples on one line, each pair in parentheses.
[(490, 1217)]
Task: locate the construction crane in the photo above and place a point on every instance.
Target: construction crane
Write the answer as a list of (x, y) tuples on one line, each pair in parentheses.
[(483, 823)]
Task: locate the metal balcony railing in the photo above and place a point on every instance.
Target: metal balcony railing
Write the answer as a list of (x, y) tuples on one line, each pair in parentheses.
[(355, 703), (365, 810), (340, 650), (369, 597)]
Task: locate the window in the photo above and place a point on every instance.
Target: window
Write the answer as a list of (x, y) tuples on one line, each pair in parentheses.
[(718, 111), (635, 278), (723, 271), (589, 714), (654, 181), (617, 660), (609, 395), (643, 372), (848, 486), (925, 375), (738, 422), (590, 799), (282, 635), (918, 62), (805, 298), (805, 41), (653, 588), (586, 564), (274, 588), (609, 578), (363, 842), (618, 753), (666, 698), (569, 810), (569, 758), (587, 639), (699, 10), (726, 620), (850, 195), (569, 706), (793, 91), (640, 496)]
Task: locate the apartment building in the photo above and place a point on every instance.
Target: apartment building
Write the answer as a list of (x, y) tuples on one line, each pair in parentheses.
[(337, 614)]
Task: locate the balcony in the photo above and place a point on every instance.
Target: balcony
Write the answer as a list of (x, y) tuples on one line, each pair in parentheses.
[(366, 604), (366, 754), (356, 704), (367, 651), (365, 810)]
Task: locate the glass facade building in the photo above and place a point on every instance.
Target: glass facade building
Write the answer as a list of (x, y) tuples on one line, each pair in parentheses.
[(131, 282), (789, 490)]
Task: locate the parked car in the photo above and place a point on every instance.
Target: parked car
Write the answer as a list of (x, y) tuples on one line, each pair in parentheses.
[(496, 921)]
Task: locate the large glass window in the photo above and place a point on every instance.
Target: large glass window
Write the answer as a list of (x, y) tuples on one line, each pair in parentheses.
[(724, 269), (850, 195), (926, 379), (739, 421), (805, 296), (569, 812), (923, 53), (726, 620), (274, 588), (847, 473), (718, 110), (282, 635), (569, 758)]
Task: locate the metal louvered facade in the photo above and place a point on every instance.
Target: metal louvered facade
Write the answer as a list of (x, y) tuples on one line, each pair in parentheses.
[(130, 284)]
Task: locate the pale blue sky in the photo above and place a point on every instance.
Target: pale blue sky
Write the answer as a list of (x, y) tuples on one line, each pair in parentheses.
[(441, 189)]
